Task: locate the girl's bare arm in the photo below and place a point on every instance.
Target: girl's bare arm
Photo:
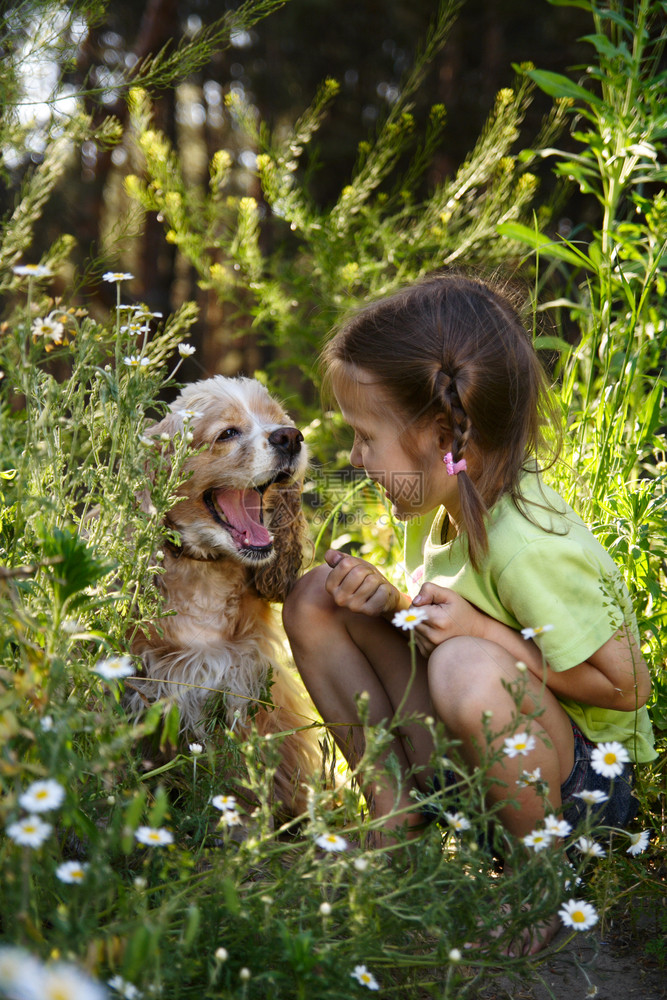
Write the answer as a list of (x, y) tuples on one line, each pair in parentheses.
[(615, 676)]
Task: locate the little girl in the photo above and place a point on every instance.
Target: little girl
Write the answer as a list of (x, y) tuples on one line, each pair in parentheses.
[(447, 400)]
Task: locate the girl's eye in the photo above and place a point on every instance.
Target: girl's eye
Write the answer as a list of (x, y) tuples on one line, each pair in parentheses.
[(229, 432)]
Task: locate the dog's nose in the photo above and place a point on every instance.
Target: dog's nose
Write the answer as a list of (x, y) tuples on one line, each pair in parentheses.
[(287, 439)]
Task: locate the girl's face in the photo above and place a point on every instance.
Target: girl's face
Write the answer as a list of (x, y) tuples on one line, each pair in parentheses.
[(414, 484)]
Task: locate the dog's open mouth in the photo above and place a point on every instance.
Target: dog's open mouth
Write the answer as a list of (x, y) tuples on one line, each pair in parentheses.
[(241, 514)]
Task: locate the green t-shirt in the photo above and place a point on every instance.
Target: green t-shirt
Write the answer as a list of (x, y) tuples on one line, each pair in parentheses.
[(553, 572)]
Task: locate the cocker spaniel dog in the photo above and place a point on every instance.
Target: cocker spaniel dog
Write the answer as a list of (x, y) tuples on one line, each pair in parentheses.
[(240, 534)]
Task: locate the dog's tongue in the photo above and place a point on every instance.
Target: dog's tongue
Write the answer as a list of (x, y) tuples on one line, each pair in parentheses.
[(243, 510)]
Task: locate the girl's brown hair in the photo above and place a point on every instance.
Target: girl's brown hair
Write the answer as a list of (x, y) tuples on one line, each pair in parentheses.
[(454, 346)]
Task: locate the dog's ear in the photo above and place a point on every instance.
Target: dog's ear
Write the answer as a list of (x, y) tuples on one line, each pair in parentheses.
[(284, 519), (170, 425)]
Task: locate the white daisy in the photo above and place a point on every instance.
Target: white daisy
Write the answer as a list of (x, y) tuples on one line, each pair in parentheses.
[(114, 276), (31, 831), (594, 797), (49, 329), (72, 872), (531, 633), (638, 842), (409, 618), (577, 914), (590, 848), (195, 749), (185, 350), (538, 839), (366, 978), (154, 836), (221, 954), (230, 817), (32, 271), (529, 778), (135, 328), (609, 759), (223, 802), (577, 879), (557, 827), (325, 909), (114, 668), (331, 842), (46, 723), (190, 414), (520, 743), (457, 821), (65, 982), (455, 955), (20, 972), (361, 864), (42, 796), (125, 988), (135, 361)]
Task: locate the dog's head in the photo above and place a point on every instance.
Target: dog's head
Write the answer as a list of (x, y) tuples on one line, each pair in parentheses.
[(242, 495)]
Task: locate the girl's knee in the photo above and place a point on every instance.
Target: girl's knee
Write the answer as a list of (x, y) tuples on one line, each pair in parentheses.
[(463, 684), (307, 602)]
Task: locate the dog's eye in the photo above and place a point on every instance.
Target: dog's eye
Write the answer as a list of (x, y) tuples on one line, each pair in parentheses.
[(229, 432)]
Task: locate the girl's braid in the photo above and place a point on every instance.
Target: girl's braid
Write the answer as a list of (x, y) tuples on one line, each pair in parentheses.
[(456, 415)]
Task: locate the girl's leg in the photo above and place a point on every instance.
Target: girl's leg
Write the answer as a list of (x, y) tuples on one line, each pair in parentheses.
[(341, 654), (466, 678)]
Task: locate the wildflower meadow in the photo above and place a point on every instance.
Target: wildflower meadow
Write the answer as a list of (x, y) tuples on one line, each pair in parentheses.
[(129, 872)]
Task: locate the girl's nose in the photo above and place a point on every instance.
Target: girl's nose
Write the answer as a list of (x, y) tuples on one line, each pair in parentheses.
[(355, 457)]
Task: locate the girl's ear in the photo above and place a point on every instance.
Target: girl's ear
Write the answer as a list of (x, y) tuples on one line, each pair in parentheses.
[(443, 433)]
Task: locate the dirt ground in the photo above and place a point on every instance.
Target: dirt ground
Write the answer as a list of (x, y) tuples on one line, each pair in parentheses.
[(612, 965)]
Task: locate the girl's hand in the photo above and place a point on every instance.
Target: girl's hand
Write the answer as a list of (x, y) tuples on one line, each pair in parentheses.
[(449, 615), (357, 585)]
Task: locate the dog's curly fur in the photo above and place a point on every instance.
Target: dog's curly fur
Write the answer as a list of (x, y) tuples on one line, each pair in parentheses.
[(241, 534)]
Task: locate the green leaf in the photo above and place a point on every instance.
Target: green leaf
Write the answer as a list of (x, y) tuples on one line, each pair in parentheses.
[(159, 808), (75, 567), (134, 811), (617, 18), (192, 924), (652, 410), (152, 718), (583, 4), (544, 245), (557, 85), (139, 948), (231, 896), (551, 344), (605, 47), (85, 826), (171, 727)]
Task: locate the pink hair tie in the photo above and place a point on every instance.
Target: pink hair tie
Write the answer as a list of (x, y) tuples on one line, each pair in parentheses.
[(453, 468)]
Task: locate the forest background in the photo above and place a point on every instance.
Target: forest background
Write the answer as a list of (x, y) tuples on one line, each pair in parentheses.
[(257, 170)]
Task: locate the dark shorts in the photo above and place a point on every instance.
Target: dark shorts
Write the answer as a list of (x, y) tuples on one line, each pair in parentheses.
[(620, 808)]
